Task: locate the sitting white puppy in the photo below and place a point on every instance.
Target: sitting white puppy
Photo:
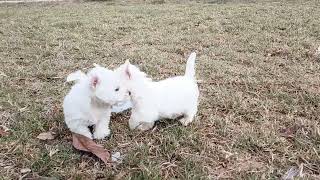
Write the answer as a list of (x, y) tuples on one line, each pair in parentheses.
[(169, 98), (90, 100)]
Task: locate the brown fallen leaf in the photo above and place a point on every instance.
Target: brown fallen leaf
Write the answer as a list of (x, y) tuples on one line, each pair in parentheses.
[(83, 143), (3, 131), (46, 135), (289, 132), (53, 151)]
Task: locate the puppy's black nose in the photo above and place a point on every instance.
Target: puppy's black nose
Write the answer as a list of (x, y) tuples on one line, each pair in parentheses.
[(129, 93)]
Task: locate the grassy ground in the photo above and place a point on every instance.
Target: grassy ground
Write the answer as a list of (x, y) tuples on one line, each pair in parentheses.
[(259, 109)]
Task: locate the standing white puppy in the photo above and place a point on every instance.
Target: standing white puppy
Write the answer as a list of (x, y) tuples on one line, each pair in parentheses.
[(169, 98), (90, 100)]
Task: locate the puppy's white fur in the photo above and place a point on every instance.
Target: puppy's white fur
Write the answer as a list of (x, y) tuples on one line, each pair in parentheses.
[(117, 108), (169, 98), (90, 100)]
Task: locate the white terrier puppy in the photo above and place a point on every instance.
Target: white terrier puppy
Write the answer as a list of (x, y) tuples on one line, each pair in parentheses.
[(169, 98), (90, 100)]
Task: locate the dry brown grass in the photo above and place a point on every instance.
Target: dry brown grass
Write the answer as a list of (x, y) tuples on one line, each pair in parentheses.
[(259, 110)]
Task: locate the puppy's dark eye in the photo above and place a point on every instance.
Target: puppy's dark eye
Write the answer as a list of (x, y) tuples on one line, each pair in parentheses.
[(117, 89)]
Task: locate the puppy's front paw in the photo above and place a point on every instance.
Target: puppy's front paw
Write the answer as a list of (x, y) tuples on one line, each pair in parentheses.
[(99, 134)]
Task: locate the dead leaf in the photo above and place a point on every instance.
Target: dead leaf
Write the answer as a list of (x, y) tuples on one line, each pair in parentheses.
[(291, 173), (4, 131), (25, 170), (46, 135), (289, 132), (53, 151), (83, 143), (294, 172), (116, 157)]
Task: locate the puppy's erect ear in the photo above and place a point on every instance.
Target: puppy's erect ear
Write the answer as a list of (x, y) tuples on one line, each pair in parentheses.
[(94, 81), (127, 69)]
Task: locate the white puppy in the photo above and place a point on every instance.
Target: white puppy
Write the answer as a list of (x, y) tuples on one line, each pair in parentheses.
[(90, 100), (169, 98)]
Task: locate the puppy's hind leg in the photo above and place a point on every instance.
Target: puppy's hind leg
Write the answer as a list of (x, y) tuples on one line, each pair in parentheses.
[(188, 117)]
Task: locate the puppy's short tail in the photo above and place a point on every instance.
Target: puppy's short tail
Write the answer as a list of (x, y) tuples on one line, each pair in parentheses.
[(190, 68), (76, 76)]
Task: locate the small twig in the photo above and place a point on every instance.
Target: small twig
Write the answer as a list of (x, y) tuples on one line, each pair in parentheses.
[(315, 151), (23, 176), (55, 77)]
